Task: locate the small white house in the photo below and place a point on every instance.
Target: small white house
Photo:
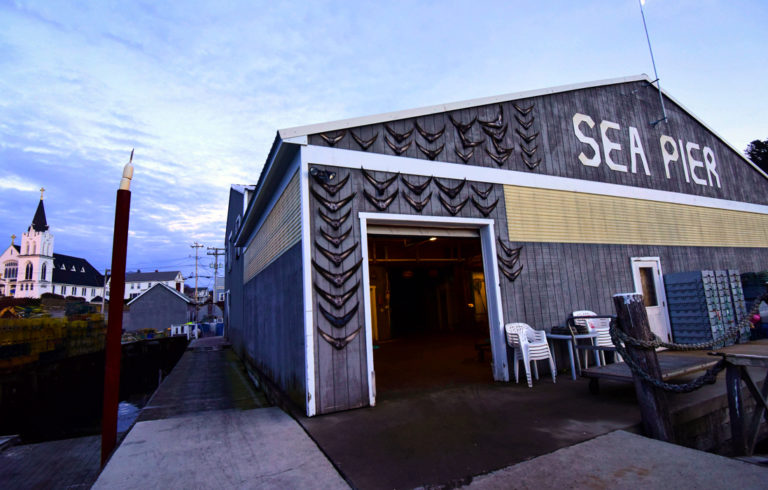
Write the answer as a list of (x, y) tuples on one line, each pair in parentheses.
[(138, 282)]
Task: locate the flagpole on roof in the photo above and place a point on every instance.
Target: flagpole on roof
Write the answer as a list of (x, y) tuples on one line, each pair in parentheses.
[(655, 73)]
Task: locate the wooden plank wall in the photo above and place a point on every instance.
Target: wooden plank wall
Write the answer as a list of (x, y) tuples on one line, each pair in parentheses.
[(629, 104), (342, 381), (558, 279), (273, 324)]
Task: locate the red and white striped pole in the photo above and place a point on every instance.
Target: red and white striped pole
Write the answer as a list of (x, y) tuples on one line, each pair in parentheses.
[(115, 321)]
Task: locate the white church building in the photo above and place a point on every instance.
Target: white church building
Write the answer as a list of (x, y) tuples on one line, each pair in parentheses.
[(32, 269)]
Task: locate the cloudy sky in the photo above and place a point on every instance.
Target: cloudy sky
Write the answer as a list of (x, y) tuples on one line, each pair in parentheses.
[(200, 88)]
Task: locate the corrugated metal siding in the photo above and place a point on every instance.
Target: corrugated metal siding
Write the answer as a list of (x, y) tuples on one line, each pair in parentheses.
[(280, 231), (542, 215)]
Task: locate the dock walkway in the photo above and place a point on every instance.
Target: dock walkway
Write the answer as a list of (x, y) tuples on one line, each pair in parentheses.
[(206, 427)]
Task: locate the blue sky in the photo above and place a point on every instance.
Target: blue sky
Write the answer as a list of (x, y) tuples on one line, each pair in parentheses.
[(200, 88)]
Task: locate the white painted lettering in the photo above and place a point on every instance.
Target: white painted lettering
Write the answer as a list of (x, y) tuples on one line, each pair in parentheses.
[(694, 163), (669, 157), (709, 161), (609, 145), (685, 164), (594, 161), (636, 148)]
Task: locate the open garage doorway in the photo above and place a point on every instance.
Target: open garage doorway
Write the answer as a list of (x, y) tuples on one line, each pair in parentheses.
[(429, 308)]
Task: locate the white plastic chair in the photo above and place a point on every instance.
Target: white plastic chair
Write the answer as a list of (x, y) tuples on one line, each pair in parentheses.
[(529, 345), (602, 327)]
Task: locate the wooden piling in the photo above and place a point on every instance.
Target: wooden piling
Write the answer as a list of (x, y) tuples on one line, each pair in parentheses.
[(654, 406)]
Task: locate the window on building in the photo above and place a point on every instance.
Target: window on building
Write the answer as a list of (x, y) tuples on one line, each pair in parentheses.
[(93, 291), (11, 269), (53, 289), (34, 248), (63, 290), (43, 272), (82, 291), (28, 271)]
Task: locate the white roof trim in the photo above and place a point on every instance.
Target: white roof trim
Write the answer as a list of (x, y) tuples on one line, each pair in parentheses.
[(289, 133), (160, 284), (715, 133), (241, 188), (295, 134)]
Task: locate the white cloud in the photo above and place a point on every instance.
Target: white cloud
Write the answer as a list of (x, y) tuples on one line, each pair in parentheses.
[(14, 182)]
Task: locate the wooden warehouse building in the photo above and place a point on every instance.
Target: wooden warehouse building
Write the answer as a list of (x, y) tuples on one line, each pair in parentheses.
[(378, 250)]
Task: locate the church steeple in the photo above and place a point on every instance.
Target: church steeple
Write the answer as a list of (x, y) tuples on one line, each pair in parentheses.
[(39, 222)]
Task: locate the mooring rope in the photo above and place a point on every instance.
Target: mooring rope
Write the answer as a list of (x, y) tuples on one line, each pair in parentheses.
[(621, 340)]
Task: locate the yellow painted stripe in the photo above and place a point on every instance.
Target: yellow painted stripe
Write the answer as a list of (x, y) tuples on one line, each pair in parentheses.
[(280, 231), (543, 215)]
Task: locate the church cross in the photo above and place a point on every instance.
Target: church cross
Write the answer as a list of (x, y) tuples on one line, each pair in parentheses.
[(42, 189)]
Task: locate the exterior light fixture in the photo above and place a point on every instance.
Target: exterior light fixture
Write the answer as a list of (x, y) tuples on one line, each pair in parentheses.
[(323, 176)]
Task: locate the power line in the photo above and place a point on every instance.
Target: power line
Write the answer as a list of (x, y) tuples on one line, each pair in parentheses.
[(196, 246), (216, 252)]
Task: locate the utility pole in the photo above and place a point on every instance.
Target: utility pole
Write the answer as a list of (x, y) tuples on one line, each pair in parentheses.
[(196, 246), (216, 252)]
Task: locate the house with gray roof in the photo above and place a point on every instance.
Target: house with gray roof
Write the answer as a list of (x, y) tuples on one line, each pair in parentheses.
[(138, 282), (158, 308)]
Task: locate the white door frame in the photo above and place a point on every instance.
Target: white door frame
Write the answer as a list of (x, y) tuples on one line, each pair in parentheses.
[(661, 295), (493, 292)]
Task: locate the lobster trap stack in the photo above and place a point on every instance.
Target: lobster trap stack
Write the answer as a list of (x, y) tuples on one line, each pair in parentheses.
[(705, 305)]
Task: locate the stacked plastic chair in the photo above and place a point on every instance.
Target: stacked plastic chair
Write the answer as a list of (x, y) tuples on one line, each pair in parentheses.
[(529, 345)]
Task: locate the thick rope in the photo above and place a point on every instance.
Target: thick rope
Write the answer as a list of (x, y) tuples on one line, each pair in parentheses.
[(621, 340)]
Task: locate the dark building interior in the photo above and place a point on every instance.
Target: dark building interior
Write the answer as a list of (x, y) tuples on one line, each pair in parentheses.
[(430, 311)]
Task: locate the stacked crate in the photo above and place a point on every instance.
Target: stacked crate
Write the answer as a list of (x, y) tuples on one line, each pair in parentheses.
[(727, 315), (698, 310), (739, 303)]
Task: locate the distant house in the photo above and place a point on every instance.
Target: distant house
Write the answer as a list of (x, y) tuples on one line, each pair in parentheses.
[(203, 294), (32, 269), (158, 307), (138, 282)]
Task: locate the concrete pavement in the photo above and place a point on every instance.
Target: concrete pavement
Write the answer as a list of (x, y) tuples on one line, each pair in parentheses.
[(258, 448), (621, 460), (208, 427)]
